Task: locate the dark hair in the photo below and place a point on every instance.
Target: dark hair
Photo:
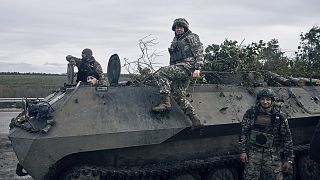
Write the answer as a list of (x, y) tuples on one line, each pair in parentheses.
[(94, 74)]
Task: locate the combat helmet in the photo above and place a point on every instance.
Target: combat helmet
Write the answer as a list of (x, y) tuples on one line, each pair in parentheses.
[(181, 22), (87, 52), (266, 93)]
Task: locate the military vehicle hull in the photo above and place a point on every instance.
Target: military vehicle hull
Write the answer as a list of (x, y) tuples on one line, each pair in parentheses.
[(111, 133)]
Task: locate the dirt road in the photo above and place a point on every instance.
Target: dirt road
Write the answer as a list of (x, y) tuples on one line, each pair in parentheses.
[(8, 161)]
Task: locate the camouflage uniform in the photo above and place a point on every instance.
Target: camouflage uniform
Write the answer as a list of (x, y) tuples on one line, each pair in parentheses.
[(186, 55), (85, 65), (265, 159)]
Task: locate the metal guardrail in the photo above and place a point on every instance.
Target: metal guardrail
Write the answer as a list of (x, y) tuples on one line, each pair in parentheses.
[(18, 99)]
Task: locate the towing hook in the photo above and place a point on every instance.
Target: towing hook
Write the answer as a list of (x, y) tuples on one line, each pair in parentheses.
[(20, 171)]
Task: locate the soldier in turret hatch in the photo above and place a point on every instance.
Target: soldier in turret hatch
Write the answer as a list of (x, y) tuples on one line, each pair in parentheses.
[(86, 64), (186, 58), (93, 78), (265, 141)]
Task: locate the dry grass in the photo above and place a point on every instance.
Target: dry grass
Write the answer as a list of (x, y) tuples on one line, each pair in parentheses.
[(23, 85)]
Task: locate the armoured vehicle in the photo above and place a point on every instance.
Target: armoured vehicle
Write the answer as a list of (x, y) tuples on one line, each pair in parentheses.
[(315, 145), (85, 132)]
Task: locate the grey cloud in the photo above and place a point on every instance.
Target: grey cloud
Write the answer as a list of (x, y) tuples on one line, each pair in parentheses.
[(26, 67), (54, 64), (49, 30)]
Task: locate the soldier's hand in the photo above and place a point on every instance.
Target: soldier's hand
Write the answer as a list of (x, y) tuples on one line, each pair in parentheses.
[(287, 166), (196, 73), (244, 157), (72, 62)]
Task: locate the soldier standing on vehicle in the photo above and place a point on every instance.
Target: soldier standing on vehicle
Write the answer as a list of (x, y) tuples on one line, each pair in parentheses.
[(186, 58), (86, 64), (265, 134)]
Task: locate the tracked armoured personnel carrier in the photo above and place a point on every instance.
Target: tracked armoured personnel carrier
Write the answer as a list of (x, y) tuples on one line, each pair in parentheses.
[(315, 145), (85, 132)]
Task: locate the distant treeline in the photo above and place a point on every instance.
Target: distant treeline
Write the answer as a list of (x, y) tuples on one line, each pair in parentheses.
[(30, 73), (16, 85)]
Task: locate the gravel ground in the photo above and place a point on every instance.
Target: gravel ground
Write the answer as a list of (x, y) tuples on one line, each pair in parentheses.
[(8, 161)]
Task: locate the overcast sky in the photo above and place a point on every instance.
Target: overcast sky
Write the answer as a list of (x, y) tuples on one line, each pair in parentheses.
[(36, 35)]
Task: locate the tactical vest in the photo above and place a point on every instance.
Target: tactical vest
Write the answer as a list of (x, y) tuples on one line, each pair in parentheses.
[(180, 49), (84, 68), (266, 136)]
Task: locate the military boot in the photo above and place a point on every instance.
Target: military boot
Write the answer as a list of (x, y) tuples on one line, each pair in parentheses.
[(165, 105), (196, 124)]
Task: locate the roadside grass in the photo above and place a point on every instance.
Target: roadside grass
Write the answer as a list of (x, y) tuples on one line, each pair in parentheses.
[(26, 85)]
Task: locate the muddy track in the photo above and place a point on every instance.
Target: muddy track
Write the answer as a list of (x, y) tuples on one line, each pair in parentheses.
[(8, 160)]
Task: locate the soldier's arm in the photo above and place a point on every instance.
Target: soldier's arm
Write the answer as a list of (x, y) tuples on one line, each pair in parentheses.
[(73, 60), (197, 50), (99, 70), (287, 141), (171, 49), (245, 132)]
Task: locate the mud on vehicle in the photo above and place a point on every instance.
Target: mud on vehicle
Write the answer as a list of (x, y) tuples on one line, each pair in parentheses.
[(85, 132)]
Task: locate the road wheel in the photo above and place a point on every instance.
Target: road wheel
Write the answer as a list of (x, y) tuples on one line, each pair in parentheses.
[(186, 176), (308, 169), (81, 173)]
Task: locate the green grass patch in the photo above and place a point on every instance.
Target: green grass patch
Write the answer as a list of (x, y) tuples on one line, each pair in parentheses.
[(26, 85)]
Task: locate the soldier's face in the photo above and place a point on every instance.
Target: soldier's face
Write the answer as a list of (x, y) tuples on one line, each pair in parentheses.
[(179, 30), (83, 55), (265, 102), (92, 80)]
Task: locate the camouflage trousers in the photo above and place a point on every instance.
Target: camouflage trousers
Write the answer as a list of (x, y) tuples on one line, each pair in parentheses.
[(176, 79), (263, 164)]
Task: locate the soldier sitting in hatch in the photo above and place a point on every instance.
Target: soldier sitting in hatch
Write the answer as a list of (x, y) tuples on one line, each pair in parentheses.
[(93, 78), (265, 133), (86, 64)]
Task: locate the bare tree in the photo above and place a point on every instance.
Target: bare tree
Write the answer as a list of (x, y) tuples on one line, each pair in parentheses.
[(142, 70)]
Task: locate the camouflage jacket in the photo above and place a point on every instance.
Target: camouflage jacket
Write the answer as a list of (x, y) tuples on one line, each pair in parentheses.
[(186, 50), (278, 127), (95, 64)]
